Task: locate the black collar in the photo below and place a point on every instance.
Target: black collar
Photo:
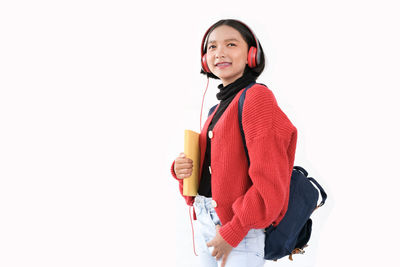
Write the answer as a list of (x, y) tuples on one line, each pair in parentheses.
[(233, 88)]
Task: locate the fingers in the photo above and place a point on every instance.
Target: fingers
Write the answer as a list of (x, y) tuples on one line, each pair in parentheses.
[(183, 166), (214, 253), (218, 255), (224, 259), (183, 171), (219, 252), (183, 159)]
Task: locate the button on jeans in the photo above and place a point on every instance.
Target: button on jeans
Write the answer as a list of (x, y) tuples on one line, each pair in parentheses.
[(249, 252)]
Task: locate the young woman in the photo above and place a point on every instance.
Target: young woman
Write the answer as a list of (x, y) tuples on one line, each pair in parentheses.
[(236, 199)]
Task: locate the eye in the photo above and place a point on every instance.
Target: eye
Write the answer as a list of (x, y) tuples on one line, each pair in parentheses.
[(211, 46), (231, 44)]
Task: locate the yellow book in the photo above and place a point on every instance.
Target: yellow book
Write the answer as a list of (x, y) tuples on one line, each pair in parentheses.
[(192, 151)]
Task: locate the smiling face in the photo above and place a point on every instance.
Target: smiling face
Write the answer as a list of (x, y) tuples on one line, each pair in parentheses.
[(226, 54)]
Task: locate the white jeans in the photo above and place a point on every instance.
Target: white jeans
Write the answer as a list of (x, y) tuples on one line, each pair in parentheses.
[(249, 252)]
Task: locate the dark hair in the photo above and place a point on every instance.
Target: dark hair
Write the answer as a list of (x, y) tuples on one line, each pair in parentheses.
[(247, 36)]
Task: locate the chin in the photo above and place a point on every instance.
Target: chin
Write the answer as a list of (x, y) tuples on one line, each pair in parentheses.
[(222, 75)]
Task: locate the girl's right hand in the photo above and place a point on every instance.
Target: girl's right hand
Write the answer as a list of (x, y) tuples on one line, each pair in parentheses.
[(183, 166)]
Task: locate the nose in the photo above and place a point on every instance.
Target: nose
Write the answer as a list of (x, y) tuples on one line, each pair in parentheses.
[(220, 52)]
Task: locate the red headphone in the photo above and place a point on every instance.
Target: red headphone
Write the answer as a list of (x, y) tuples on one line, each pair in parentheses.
[(253, 57)]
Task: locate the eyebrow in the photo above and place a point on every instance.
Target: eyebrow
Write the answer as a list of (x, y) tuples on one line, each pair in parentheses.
[(226, 40)]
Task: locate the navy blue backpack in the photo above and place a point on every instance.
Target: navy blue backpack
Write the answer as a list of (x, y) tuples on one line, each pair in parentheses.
[(292, 234)]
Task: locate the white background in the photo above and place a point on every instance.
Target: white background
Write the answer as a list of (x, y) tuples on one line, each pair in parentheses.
[(95, 96)]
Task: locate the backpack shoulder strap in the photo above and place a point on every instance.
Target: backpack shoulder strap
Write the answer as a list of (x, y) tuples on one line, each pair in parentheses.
[(240, 110), (212, 110)]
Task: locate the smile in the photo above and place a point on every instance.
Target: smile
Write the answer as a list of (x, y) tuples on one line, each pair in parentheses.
[(223, 64)]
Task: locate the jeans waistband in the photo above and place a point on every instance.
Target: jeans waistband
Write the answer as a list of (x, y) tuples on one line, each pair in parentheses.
[(204, 201)]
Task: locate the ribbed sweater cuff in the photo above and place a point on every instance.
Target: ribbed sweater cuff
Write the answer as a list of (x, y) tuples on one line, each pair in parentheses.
[(173, 172), (233, 232)]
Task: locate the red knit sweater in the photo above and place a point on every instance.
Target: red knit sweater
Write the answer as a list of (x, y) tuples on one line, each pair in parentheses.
[(252, 196)]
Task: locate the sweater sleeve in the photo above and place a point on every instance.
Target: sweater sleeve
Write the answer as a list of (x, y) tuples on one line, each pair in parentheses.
[(268, 135)]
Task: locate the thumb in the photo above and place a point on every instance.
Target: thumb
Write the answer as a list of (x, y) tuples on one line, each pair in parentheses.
[(210, 243)]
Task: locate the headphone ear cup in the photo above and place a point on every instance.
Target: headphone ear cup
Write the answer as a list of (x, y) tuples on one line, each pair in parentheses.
[(252, 57), (204, 63)]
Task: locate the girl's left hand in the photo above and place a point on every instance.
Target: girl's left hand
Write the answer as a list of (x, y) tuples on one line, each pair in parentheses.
[(221, 247)]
